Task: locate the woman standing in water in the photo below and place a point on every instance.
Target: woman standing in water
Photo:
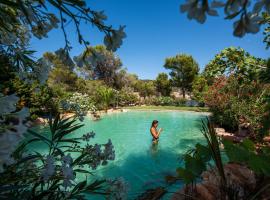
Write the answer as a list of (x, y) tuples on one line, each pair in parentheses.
[(154, 132)]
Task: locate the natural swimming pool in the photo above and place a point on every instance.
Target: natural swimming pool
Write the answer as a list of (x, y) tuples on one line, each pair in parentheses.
[(141, 165)]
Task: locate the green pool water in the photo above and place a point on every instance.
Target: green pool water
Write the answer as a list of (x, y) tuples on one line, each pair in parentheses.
[(141, 165)]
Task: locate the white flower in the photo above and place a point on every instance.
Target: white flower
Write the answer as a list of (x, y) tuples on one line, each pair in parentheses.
[(109, 153), (86, 137), (8, 104), (67, 171), (196, 11), (67, 159), (250, 23), (49, 168), (234, 6), (12, 135), (67, 183), (42, 70), (115, 40), (97, 149), (99, 17)]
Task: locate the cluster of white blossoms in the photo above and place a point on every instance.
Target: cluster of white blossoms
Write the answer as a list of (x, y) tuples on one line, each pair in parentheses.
[(99, 154), (88, 136), (196, 10), (83, 100), (67, 171), (99, 17), (49, 168), (12, 128), (118, 188), (80, 103), (115, 40), (249, 22)]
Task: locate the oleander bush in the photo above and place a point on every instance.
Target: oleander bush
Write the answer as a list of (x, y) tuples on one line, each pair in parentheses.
[(232, 103), (64, 171)]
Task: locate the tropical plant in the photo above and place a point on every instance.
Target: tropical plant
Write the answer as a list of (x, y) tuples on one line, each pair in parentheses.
[(57, 173), (249, 155), (197, 160), (201, 158), (105, 97), (183, 71)]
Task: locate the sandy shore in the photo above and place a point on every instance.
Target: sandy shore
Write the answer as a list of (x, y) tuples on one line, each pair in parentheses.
[(99, 114)]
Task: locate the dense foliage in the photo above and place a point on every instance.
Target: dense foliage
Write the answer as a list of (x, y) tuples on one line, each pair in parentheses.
[(235, 90), (233, 104), (183, 71), (199, 88), (23, 83), (100, 63), (163, 85)]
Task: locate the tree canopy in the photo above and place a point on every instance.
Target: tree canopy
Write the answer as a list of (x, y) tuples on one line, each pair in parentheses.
[(234, 61), (163, 84), (183, 71), (101, 63)]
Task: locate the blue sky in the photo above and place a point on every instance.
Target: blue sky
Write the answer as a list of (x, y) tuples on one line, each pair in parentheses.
[(156, 30)]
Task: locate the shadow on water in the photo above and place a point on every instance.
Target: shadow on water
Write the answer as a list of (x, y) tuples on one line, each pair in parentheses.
[(143, 171)]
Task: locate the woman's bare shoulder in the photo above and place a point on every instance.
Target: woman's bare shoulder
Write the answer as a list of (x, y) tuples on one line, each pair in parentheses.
[(152, 129)]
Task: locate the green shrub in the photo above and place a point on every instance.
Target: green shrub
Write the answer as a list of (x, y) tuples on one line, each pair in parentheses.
[(233, 103), (126, 98)]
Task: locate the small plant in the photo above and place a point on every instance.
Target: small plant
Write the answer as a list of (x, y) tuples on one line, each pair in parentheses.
[(197, 160), (78, 103)]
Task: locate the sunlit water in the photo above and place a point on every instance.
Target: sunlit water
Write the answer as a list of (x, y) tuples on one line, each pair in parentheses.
[(141, 165)]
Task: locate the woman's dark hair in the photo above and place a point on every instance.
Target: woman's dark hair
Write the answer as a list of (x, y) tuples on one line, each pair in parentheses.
[(154, 122)]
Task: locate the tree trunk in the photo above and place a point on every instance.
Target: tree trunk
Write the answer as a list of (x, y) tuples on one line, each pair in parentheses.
[(183, 93)]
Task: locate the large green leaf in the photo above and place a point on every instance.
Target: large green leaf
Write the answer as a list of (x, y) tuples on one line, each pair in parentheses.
[(186, 175)]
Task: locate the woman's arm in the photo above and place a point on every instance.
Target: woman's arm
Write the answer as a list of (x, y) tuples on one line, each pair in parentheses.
[(154, 133), (159, 131)]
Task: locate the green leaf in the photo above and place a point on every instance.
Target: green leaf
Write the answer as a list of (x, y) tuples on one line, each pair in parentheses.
[(44, 139), (79, 187), (83, 171), (186, 175), (248, 144), (195, 165), (65, 132), (203, 152), (95, 185)]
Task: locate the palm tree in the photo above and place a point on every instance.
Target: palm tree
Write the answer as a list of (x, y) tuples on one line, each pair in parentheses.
[(106, 96)]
